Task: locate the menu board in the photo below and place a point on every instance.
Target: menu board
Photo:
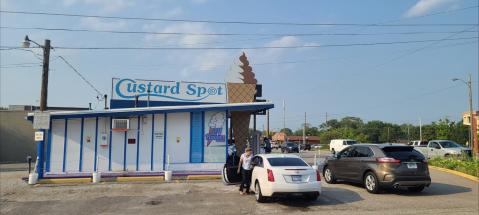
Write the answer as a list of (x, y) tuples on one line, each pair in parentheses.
[(197, 137)]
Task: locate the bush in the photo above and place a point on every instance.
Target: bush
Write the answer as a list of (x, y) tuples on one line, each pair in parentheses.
[(324, 147), (465, 165)]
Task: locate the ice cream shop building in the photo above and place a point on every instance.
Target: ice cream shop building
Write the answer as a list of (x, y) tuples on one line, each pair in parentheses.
[(187, 122)]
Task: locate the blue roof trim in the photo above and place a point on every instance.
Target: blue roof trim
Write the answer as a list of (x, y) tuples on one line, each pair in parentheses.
[(135, 113)]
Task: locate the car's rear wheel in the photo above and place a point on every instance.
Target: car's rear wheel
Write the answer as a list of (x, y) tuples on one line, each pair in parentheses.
[(416, 189), (311, 198), (257, 193), (371, 183), (328, 175)]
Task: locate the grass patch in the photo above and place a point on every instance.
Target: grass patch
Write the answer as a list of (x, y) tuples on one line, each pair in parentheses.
[(465, 165), (325, 147)]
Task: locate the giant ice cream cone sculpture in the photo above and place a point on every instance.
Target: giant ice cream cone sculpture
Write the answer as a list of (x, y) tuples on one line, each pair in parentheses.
[(241, 88), (241, 81)]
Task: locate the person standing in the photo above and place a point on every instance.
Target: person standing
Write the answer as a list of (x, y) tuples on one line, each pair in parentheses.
[(267, 147), (245, 166)]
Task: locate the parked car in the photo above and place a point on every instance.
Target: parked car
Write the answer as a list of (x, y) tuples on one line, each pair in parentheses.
[(315, 146), (274, 145), (306, 147), (289, 148), (284, 176), (340, 144), (443, 148), (378, 166)]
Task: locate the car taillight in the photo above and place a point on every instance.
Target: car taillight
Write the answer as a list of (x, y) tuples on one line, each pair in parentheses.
[(388, 160), (424, 160), (270, 175), (318, 177)]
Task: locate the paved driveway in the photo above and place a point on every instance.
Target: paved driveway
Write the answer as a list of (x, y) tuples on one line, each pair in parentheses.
[(448, 194)]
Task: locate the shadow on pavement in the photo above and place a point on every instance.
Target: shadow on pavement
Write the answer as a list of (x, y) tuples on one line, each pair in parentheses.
[(325, 199), (436, 189)]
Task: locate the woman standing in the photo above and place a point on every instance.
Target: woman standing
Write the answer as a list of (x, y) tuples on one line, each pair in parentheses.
[(245, 164)]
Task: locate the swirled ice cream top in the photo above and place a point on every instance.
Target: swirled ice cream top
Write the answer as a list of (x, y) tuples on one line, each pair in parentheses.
[(240, 71)]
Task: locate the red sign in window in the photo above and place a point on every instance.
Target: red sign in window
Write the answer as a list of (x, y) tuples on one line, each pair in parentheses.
[(131, 141)]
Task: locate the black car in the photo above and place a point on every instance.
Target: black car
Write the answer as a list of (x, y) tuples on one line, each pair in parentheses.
[(378, 166), (289, 148), (306, 147)]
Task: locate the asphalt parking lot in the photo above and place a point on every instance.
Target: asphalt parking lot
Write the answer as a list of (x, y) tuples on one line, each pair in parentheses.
[(448, 194)]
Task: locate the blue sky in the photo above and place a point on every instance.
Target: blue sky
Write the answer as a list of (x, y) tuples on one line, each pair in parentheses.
[(343, 81)]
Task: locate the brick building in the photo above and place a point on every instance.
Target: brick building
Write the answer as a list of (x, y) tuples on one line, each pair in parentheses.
[(280, 138)]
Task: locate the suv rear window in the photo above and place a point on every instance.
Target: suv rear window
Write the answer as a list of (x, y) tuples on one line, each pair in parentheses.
[(401, 152), (286, 162), (290, 144)]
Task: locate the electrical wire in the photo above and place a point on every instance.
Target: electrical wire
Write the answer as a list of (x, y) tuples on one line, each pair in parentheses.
[(262, 47), (79, 74), (229, 22), (374, 67), (230, 34)]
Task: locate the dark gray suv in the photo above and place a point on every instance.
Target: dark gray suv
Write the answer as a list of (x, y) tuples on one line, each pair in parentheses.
[(378, 166)]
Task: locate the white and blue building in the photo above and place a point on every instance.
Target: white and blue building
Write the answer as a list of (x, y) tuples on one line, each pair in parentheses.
[(186, 122)]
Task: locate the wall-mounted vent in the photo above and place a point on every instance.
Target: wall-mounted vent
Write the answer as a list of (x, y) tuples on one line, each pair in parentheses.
[(121, 124)]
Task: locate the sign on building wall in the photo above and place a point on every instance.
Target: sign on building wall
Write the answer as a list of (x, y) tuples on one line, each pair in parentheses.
[(168, 91), (215, 136), (158, 134), (39, 136)]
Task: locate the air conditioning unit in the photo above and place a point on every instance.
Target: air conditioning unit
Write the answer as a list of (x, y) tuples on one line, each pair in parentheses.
[(121, 124)]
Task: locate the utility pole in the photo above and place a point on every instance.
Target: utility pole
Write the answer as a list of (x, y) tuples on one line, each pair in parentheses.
[(389, 140), (408, 132), (471, 117), (420, 130), (267, 123), (284, 119), (326, 121), (46, 64), (304, 130)]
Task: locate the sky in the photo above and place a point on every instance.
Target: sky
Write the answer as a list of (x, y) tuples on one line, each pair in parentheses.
[(325, 73)]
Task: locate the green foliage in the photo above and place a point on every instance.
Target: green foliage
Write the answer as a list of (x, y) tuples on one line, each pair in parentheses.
[(288, 132), (444, 129), (3, 108), (325, 137), (325, 147), (388, 135), (351, 122), (468, 166), (362, 138)]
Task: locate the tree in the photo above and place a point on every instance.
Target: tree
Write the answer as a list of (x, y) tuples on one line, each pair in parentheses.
[(373, 129), (288, 132), (351, 122), (331, 124), (362, 138), (429, 131), (388, 135), (444, 129), (325, 137), (460, 133), (3, 108)]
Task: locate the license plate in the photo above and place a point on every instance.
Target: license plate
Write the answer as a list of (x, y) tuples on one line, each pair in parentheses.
[(296, 178), (412, 165)]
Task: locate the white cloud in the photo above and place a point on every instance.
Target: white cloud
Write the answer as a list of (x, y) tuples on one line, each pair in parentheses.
[(181, 39), (424, 6), (174, 12), (112, 5), (96, 24), (200, 1), (68, 3)]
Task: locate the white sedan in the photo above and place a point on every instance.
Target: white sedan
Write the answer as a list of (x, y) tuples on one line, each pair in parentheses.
[(284, 175)]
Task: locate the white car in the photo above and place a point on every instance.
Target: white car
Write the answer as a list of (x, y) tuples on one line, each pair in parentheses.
[(279, 175)]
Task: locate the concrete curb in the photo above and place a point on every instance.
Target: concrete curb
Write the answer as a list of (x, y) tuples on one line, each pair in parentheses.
[(203, 177), (157, 178), (470, 177), (64, 181)]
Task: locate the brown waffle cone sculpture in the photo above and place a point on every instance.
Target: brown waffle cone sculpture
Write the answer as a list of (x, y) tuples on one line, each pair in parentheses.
[(241, 93), (240, 123)]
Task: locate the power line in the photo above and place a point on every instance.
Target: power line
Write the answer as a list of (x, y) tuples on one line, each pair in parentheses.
[(79, 74), (256, 48), (228, 22), (230, 34), (377, 66)]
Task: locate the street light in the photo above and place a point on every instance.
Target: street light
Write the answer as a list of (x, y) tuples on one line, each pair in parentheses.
[(43, 98), (471, 118)]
